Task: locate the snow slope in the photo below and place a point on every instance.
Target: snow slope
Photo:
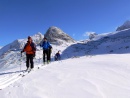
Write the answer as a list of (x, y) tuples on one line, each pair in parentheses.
[(101, 76)]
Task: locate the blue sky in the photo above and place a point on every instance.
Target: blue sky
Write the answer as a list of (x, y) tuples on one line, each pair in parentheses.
[(20, 18)]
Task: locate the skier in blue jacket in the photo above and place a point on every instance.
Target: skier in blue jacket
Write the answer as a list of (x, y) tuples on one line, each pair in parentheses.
[(46, 48)]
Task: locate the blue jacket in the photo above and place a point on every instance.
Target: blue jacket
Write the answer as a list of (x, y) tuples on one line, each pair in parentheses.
[(57, 55), (46, 45)]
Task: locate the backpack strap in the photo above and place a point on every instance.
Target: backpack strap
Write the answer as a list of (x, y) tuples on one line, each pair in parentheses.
[(33, 46)]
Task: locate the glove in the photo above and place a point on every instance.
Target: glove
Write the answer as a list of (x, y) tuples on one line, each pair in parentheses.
[(34, 54), (22, 51), (50, 50)]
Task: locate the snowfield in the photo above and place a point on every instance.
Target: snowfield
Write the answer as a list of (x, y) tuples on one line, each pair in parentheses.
[(99, 76)]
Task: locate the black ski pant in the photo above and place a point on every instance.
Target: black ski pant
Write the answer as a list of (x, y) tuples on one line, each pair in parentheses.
[(49, 53), (46, 54), (29, 60)]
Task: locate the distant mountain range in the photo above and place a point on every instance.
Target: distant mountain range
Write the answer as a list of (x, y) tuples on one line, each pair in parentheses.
[(117, 42), (53, 34), (19, 43)]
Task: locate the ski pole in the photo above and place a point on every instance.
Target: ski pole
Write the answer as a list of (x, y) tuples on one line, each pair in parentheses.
[(20, 61), (21, 54)]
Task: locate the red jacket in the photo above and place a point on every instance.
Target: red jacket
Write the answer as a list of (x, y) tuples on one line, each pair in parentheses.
[(30, 48)]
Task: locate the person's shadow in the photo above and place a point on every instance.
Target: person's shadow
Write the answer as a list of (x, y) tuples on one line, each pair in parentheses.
[(4, 73)]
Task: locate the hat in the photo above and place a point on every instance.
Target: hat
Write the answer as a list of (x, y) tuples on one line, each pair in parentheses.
[(45, 38), (29, 37)]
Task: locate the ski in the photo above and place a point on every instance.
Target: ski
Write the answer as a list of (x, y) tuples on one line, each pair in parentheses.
[(25, 73)]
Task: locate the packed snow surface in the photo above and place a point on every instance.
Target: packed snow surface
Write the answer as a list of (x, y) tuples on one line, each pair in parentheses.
[(100, 76)]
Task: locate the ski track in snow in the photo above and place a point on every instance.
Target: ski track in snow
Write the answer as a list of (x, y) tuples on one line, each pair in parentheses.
[(6, 80)]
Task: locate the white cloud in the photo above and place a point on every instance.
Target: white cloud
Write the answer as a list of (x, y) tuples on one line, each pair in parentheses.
[(87, 33)]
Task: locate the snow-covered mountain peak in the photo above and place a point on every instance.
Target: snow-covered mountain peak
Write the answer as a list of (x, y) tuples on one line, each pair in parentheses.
[(37, 38), (54, 29), (39, 34), (127, 22), (56, 35), (126, 25)]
